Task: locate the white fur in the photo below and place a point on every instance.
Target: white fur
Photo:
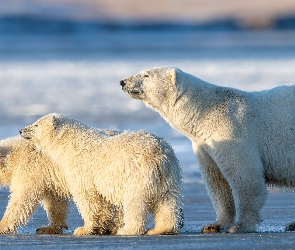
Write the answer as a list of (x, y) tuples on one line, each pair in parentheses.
[(33, 178), (243, 140), (136, 171)]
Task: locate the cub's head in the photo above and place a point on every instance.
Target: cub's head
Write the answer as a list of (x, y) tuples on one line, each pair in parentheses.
[(156, 87), (42, 129)]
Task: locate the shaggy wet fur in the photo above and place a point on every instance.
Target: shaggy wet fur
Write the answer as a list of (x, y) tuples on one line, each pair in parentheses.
[(136, 171), (244, 141), (33, 178)]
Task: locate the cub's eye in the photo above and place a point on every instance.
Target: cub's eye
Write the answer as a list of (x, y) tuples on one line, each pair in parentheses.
[(35, 125), (146, 76)]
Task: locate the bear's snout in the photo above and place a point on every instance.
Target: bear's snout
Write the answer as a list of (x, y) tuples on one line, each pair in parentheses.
[(24, 134), (122, 83)]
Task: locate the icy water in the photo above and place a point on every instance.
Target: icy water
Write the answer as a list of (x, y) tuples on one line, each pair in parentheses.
[(79, 75)]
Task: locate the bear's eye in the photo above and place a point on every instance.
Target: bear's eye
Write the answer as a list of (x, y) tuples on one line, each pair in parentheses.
[(146, 76), (35, 125)]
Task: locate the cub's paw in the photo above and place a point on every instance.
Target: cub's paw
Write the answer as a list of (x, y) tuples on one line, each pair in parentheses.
[(124, 231), (4, 228), (82, 231), (159, 231), (211, 228), (101, 231), (49, 230)]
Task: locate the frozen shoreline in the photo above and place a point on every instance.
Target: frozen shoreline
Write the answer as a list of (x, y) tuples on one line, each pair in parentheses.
[(89, 90), (198, 211)]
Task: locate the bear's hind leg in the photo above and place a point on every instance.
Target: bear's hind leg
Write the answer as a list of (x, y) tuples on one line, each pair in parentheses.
[(90, 227), (245, 177), (168, 218), (97, 213), (134, 218), (86, 205)]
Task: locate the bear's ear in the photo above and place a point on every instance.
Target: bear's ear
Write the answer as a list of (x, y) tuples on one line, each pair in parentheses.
[(173, 76), (55, 121)]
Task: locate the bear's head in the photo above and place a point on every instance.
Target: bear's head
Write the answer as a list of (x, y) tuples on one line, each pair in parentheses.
[(42, 129), (156, 87)]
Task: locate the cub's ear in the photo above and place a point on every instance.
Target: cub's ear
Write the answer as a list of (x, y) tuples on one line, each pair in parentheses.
[(55, 121), (173, 76)]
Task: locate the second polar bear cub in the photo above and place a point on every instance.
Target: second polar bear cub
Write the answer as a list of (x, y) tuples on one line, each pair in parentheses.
[(32, 178), (136, 171)]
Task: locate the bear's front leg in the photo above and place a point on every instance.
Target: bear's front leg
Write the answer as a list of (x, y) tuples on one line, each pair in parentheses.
[(57, 209), (97, 213), (6, 228), (219, 192), (20, 208), (243, 169)]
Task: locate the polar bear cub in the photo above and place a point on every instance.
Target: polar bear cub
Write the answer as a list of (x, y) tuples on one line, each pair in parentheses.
[(33, 178), (244, 140), (136, 171)]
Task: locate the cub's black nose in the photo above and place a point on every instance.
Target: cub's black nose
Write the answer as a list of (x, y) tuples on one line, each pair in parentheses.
[(122, 83)]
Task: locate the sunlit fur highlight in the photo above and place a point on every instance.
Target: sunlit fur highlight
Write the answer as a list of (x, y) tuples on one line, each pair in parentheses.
[(244, 141), (33, 178), (136, 171)]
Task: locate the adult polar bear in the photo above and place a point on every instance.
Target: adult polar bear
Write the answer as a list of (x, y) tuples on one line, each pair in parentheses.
[(243, 140), (136, 171)]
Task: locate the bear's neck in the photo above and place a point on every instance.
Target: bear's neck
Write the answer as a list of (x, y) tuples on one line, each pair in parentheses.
[(192, 107), (55, 142)]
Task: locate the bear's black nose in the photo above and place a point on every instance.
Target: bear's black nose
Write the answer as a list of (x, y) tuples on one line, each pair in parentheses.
[(122, 83)]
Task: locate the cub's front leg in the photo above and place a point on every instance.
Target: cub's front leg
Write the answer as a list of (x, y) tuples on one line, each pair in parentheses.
[(57, 209), (98, 214), (21, 205)]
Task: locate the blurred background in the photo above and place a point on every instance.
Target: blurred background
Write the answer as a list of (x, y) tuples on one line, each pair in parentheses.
[(68, 56)]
